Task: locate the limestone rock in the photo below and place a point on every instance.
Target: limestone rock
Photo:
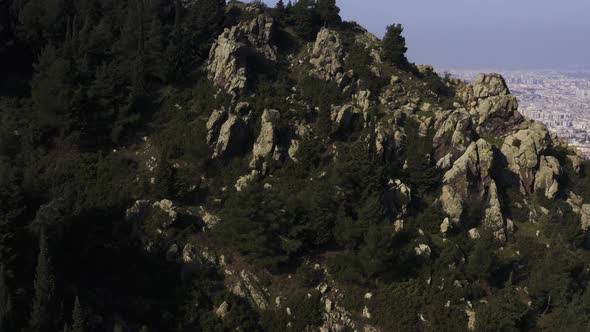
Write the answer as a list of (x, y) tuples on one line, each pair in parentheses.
[(546, 177), (210, 220), (216, 120), (244, 181), (327, 55), (188, 253), (138, 210), (522, 150), (228, 56), (232, 136), (398, 198), (473, 234), (267, 139), (423, 250), (455, 133), (343, 116), (222, 310), (390, 141), (491, 104), (583, 210), (470, 171), (366, 313), (253, 290), (445, 226)]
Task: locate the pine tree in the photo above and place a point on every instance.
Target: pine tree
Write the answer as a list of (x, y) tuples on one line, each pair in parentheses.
[(394, 45), (42, 317), (5, 302), (328, 12), (78, 318)]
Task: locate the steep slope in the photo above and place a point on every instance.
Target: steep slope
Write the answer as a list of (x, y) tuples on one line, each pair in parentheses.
[(242, 168)]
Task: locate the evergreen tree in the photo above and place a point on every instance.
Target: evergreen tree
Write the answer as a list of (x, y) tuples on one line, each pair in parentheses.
[(304, 19), (78, 318), (43, 311), (328, 12), (5, 302), (394, 45)]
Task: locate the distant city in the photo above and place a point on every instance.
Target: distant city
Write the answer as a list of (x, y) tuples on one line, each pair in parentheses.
[(558, 98)]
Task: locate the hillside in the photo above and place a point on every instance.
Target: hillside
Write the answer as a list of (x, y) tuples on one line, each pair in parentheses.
[(203, 166)]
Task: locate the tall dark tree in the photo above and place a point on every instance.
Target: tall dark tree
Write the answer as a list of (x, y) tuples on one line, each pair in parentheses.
[(78, 317), (394, 45), (5, 302), (43, 313), (328, 12)]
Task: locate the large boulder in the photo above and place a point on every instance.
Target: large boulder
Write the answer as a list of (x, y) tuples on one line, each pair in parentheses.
[(266, 142), (327, 56), (523, 150), (232, 136), (228, 56), (489, 101), (547, 176), (583, 210), (216, 120)]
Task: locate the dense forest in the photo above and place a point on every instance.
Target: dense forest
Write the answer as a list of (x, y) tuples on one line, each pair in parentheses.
[(197, 165)]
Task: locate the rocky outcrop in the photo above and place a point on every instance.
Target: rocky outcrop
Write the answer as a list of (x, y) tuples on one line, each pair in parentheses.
[(523, 150), (216, 120), (398, 198), (454, 134), (390, 141), (470, 179), (327, 56), (343, 116), (583, 210), (249, 286), (266, 142), (547, 176), (489, 101), (232, 138), (228, 57)]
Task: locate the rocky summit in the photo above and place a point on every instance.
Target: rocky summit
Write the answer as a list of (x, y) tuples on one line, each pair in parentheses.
[(210, 166)]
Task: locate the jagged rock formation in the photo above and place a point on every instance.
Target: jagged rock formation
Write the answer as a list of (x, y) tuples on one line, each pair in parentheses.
[(490, 103), (327, 56), (469, 180), (547, 176), (228, 67), (231, 138), (266, 144)]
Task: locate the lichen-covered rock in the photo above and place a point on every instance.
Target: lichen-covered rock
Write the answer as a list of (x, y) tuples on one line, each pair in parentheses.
[(583, 210), (547, 176), (232, 136), (489, 101), (343, 116), (222, 310), (266, 143), (250, 287), (523, 150), (228, 56), (423, 250), (470, 179), (454, 134), (327, 55), (216, 120), (244, 181)]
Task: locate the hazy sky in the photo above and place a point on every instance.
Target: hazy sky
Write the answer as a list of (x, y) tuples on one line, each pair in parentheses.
[(464, 34)]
